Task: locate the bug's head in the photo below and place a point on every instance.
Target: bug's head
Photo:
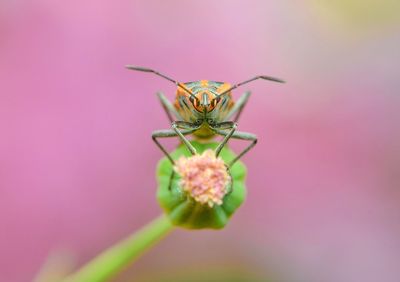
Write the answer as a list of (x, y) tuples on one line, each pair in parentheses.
[(204, 98)]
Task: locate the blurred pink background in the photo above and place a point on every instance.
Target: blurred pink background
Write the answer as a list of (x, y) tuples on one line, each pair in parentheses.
[(77, 161)]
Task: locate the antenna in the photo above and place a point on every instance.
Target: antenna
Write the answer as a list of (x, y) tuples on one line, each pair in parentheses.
[(130, 67), (250, 80)]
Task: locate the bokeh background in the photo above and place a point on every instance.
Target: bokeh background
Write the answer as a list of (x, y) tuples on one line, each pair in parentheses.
[(77, 162)]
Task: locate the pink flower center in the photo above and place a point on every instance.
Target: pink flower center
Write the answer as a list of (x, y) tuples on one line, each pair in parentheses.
[(204, 177)]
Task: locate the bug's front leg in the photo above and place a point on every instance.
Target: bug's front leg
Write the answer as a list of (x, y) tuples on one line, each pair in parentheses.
[(241, 136), (231, 126), (176, 126), (165, 134)]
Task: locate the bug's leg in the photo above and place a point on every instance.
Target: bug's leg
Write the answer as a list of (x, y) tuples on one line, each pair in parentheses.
[(168, 107), (231, 126), (239, 106), (171, 177), (177, 125), (165, 134), (241, 136)]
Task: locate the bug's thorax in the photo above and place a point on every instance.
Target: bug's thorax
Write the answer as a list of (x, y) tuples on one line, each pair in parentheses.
[(200, 100), (204, 132)]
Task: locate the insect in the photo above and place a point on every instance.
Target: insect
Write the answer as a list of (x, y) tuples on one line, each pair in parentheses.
[(204, 108)]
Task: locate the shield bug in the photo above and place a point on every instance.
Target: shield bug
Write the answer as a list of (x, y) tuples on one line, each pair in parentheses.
[(204, 108)]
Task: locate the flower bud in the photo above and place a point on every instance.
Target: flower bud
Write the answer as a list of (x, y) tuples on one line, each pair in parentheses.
[(200, 191)]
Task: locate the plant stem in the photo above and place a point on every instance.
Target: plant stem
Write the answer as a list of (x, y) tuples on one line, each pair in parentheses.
[(117, 257)]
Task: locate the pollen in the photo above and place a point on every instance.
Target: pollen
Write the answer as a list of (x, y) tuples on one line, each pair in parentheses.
[(204, 177)]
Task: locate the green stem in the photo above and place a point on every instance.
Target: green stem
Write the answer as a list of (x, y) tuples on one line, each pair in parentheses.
[(117, 257)]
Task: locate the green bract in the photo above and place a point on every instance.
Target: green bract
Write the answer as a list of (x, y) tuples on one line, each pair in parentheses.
[(182, 210)]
